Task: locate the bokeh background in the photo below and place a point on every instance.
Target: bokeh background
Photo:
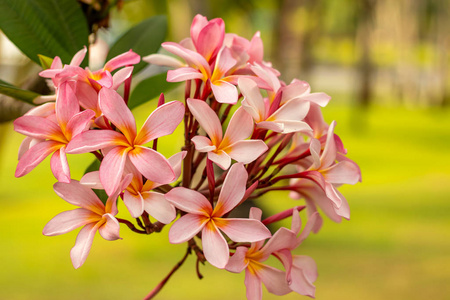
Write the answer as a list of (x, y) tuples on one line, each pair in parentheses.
[(386, 65)]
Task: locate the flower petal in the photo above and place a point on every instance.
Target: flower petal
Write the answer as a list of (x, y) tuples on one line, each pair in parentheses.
[(34, 156), (77, 194), (163, 60), (246, 151), (153, 165), (78, 57), (207, 119), (253, 285), (38, 127), (220, 158), (215, 247), (342, 172), (163, 121), (83, 244), (239, 128), (134, 203), (67, 103), (243, 230), (92, 180), (203, 144), (158, 207), (233, 190), (79, 122), (111, 168), (60, 166), (122, 60), (237, 263), (274, 280), (93, 140), (120, 76), (304, 273), (183, 74), (186, 228), (189, 201), (224, 92), (253, 101), (114, 108), (69, 220), (110, 229)]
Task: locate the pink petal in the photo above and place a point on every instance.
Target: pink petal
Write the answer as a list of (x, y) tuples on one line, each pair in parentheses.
[(274, 126), (114, 108), (253, 101), (282, 239), (189, 201), (158, 207), (87, 96), (253, 285), (122, 60), (310, 225), (220, 158), (274, 280), (304, 273), (215, 247), (69, 220), (93, 140), (43, 110), (333, 194), (66, 103), (203, 144), (186, 228), (224, 92), (192, 58), (83, 245), (237, 263), (163, 60), (34, 156), (256, 49), (111, 168), (102, 79), (26, 144), (134, 203), (77, 194), (176, 162), (243, 230), (60, 166), (92, 180), (294, 110), (120, 76), (233, 189), (161, 122), (255, 213), (343, 172), (239, 128), (294, 90), (207, 119), (110, 229), (153, 165), (315, 148), (78, 57), (38, 127), (320, 99), (79, 123), (344, 209), (246, 151), (210, 38), (183, 74), (224, 62), (329, 151), (267, 76)]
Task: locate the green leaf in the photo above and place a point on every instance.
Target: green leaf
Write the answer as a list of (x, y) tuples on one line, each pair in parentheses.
[(149, 89), (145, 38), (15, 92), (101, 194), (46, 62), (48, 27)]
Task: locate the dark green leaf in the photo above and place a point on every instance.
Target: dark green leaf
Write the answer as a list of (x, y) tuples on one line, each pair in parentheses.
[(95, 166), (149, 89), (15, 92), (46, 62), (48, 27), (145, 38)]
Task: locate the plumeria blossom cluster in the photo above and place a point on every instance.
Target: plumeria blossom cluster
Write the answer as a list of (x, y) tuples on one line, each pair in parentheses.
[(247, 133)]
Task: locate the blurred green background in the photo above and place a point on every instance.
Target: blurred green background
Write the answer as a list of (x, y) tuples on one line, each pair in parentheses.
[(385, 64)]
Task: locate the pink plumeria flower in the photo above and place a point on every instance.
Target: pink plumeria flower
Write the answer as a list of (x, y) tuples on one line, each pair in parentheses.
[(301, 271), (202, 217), (92, 214), (51, 134), (127, 146), (327, 174), (138, 196), (207, 36), (233, 145), (285, 119), (89, 83)]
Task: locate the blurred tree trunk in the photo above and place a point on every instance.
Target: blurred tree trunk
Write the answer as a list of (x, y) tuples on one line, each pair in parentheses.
[(443, 46), (366, 66)]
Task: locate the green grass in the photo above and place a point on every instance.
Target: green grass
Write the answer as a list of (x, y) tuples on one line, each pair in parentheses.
[(396, 246)]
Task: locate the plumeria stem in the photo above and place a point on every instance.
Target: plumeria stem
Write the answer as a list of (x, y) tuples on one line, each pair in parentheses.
[(131, 226), (158, 288)]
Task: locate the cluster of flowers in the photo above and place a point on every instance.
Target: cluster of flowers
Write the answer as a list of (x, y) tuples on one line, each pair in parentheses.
[(276, 139)]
